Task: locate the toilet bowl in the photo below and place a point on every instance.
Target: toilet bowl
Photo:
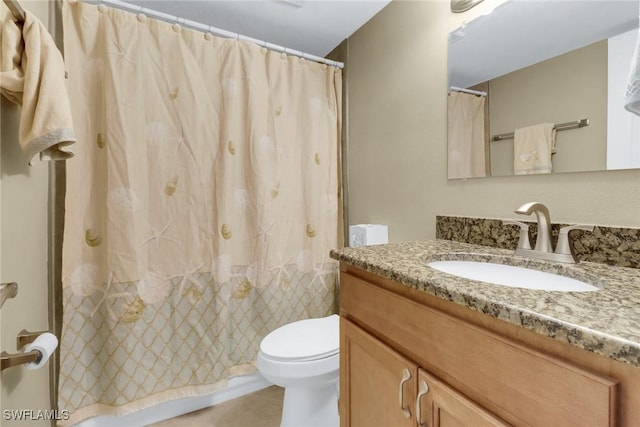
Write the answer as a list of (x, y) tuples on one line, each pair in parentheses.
[(304, 358)]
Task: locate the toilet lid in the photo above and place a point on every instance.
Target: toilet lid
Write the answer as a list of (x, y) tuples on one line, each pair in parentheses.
[(309, 339)]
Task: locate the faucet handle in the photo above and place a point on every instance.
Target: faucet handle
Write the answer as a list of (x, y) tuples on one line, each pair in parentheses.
[(563, 238), (523, 241)]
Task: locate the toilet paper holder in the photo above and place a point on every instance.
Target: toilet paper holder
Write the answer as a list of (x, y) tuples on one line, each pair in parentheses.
[(24, 337)]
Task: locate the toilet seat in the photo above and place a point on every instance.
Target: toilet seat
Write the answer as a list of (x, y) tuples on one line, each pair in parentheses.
[(303, 341)]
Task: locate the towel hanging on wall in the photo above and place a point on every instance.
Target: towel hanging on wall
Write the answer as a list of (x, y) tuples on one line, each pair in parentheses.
[(632, 95), (32, 75)]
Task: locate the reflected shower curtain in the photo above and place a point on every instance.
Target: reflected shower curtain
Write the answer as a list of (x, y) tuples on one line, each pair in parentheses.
[(200, 208), (466, 152)]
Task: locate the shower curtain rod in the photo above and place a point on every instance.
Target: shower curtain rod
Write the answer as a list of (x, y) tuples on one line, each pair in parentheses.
[(118, 4), (473, 92), (16, 10)]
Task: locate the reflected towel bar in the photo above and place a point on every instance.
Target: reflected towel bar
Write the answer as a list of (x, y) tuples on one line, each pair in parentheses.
[(560, 126), (16, 10)]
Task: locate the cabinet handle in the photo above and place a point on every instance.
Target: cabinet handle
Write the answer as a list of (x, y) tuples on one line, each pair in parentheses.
[(423, 389), (406, 376)]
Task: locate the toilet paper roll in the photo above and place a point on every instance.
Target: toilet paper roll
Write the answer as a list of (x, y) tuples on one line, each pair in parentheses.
[(46, 344)]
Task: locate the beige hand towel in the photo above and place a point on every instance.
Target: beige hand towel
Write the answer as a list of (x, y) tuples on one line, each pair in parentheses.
[(32, 75), (532, 149)]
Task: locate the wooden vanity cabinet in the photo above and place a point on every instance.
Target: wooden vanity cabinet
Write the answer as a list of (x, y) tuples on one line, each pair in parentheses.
[(380, 389), (442, 406), (404, 354), (384, 388)]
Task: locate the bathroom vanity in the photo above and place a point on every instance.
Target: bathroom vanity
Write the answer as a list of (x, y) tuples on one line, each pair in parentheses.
[(424, 348)]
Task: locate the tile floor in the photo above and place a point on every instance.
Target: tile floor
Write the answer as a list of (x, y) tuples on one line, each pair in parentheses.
[(260, 409)]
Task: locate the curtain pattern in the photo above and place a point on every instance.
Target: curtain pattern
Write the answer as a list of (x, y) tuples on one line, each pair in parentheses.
[(200, 207)]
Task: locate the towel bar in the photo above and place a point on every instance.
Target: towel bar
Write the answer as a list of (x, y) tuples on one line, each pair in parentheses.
[(16, 10), (560, 126), (7, 290)]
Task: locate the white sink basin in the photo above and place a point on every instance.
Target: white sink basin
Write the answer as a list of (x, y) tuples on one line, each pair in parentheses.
[(512, 276)]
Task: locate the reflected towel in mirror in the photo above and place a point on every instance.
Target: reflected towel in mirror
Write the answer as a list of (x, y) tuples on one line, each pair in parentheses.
[(532, 149), (632, 94)]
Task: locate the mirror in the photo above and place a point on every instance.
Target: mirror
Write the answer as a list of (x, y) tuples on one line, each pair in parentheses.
[(534, 62)]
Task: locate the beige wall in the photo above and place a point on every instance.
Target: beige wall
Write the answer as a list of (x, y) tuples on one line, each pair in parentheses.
[(23, 254), (397, 87), (562, 89)]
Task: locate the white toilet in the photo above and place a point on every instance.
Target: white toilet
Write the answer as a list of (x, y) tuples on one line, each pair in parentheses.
[(304, 358)]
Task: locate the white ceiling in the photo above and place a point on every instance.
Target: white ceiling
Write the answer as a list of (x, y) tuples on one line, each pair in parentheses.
[(522, 32), (310, 26)]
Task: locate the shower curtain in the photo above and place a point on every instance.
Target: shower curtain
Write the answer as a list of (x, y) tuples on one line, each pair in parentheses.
[(466, 151), (200, 209)]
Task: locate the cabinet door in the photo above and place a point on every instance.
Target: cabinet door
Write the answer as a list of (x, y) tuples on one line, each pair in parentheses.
[(438, 405), (377, 384)]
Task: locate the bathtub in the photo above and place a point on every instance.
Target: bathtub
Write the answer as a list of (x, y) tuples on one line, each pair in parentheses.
[(238, 386)]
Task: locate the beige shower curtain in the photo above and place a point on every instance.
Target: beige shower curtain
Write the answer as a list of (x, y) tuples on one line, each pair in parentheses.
[(200, 208), (466, 147)]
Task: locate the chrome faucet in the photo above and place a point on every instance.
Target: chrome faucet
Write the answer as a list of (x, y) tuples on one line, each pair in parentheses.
[(543, 248), (543, 242)]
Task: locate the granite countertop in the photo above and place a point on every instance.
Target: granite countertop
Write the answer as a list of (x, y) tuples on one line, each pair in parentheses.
[(606, 322)]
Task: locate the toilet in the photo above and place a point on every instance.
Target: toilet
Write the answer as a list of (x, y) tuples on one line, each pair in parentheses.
[(304, 358)]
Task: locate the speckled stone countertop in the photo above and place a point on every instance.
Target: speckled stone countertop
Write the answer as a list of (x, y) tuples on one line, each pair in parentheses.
[(606, 322)]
